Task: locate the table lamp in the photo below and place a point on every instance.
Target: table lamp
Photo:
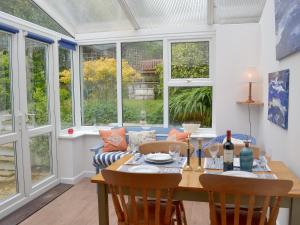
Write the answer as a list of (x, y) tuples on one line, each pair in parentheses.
[(251, 76), (189, 128)]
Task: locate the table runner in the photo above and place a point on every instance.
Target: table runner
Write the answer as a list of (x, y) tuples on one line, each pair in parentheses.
[(125, 168), (262, 165)]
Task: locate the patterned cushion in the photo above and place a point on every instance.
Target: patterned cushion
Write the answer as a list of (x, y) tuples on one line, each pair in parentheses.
[(104, 159), (114, 139), (136, 138)]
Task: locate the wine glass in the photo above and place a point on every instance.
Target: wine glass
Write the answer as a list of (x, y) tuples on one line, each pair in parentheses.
[(214, 150), (174, 151)]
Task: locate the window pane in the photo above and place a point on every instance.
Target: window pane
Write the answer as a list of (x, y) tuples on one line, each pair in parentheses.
[(28, 10), (142, 83), (6, 106), (66, 88), (190, 104), (190, 60), (8, 173), (40, 157), (37, 83), (99, 84)]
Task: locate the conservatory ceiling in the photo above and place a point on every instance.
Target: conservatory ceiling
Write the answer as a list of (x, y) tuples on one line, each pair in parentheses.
[(89, 16)]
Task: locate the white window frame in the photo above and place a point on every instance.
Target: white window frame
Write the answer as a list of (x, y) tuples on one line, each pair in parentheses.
[(190, 82), (72, 89), (168, 82)]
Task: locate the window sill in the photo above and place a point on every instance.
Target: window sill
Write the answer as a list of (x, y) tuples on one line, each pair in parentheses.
[(94, 131)]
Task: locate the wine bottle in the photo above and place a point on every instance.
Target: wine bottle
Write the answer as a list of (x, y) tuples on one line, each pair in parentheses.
[(228, 153)]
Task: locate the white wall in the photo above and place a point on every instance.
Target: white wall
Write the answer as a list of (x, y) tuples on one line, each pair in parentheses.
[(279, 143), (237, 47)]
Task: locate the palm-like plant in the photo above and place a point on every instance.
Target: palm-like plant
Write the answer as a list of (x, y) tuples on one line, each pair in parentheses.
[(192, 104)]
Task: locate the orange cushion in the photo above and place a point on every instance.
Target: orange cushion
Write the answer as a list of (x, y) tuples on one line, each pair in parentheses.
[(175, 135), (114, 139)]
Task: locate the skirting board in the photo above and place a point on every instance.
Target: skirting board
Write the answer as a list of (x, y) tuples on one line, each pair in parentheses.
[(78, 178)]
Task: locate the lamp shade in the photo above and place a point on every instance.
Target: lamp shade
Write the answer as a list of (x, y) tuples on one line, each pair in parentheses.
[(251, 75)]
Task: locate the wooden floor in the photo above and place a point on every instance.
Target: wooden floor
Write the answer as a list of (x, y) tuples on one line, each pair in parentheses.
[(78, 206)]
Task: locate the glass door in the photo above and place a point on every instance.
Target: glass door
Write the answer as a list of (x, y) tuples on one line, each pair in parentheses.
[(39, 115), (11, 173)]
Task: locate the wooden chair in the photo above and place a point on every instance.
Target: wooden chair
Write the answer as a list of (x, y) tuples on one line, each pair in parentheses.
[(163, 146), (258, 193), (136, 210)]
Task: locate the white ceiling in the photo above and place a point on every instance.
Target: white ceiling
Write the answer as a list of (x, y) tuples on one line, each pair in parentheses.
[(88, 16)]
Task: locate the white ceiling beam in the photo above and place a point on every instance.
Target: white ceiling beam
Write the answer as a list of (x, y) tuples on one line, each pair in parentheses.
[(58, 18), (210, 12), (126, 9)]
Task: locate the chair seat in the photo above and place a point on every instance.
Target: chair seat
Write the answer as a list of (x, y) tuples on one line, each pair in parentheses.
[(151, 211), (243, 215), (104, 159)]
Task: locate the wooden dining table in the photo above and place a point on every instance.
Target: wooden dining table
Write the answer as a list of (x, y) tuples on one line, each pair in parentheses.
[(190, 189)]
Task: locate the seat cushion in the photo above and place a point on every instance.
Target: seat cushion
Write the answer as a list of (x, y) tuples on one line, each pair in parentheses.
[(243, 215), (151, 211), (104, 159)]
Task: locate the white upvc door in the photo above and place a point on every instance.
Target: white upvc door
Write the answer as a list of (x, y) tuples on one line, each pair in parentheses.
[(37, 110), (12, 187)]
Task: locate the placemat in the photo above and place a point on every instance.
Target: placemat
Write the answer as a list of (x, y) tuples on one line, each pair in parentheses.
[(260, 175), (262, 165), (163, 169), (138, 159)]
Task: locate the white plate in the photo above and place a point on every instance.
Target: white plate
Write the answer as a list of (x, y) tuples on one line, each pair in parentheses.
[(144, 169), (240, 174), (159, 157)]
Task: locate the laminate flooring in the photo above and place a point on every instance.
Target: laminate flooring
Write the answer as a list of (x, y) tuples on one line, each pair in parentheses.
[(78, 206)]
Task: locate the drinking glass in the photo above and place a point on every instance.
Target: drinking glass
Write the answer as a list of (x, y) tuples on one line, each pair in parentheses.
[(214, 150), (174, 151)]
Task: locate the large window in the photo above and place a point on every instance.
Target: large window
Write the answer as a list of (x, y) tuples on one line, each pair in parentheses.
[(142, 83), (190, 98), (99, 84), (66, 88), (151, 94)]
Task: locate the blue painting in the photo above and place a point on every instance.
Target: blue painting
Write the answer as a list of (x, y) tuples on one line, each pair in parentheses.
[(279, 98), (287, 17)]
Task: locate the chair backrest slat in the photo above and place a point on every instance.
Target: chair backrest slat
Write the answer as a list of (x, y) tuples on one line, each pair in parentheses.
[(123, 202), (223, 208), (274, 211), (250, 188), (145, 204), (136, 185), (157, 206), (264, 210), (251, 205), (237, 204)]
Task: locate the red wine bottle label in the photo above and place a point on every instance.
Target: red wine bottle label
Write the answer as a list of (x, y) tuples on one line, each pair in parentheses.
[(228, 156)]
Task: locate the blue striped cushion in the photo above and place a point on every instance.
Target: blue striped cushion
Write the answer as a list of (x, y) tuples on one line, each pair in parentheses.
[(104, 159)]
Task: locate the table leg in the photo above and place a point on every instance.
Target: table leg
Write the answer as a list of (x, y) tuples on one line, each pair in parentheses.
[(295, 212), (103, 204)]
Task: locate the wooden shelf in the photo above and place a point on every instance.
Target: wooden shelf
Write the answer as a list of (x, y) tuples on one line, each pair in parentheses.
[(247, 103)]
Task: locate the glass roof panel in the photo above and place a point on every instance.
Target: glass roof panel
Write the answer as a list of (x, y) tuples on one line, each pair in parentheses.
[(154, 13), (90, 15), (238, 11), (28, 10)]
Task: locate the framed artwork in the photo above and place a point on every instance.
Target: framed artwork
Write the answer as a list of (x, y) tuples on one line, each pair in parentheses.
[(278, 103), (287, 17)]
